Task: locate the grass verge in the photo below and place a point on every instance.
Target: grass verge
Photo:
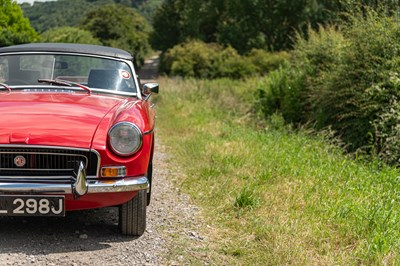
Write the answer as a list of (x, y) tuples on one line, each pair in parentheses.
[(274, 196)]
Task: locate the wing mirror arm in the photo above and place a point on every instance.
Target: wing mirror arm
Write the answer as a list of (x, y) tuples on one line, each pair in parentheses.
[(150, 88)]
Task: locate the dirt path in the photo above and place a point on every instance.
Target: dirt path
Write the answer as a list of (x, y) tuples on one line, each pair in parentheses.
[(92, 237), (148, 72)]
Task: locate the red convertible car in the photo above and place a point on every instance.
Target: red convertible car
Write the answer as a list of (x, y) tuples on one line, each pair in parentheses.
[(76, 132)]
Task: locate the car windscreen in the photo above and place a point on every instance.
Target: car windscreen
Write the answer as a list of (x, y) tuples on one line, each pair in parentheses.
[(94, 72)]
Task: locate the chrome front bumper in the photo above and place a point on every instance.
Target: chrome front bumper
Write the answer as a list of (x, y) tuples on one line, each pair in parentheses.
[(79, 187)]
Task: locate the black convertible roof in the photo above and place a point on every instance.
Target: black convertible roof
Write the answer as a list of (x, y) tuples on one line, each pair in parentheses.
[(68, 48)]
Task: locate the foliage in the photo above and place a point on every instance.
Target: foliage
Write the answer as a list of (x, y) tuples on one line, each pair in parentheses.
[(120, 27), (361, 91), (14, 27), (266, 62), (282, 91), (348, 82), (244, 25), (309, 203), (53, 14), (369, 77), (69, 35), (202, 60), (62, 13), (166, 21), (148, 8), (313, 59)]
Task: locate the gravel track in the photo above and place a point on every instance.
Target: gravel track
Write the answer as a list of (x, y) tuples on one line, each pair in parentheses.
[(92, 237)]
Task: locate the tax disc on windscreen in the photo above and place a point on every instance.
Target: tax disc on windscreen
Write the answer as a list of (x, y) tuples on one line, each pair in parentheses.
[(125, 74)]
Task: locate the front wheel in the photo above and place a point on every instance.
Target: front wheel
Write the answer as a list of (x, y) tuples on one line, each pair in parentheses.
[(149, 177), (132, 215)]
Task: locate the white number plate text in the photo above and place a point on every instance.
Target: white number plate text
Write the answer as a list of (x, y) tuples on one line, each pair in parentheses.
[(32, 205)]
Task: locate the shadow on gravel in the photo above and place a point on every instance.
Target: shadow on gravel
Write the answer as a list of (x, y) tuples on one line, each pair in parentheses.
[(79, 231)]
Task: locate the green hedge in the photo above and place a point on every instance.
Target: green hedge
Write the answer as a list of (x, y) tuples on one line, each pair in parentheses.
[(345, 79), (209, 60)]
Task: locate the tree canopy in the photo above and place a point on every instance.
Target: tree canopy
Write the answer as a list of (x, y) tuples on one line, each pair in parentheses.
[(244, 25), (121, 27), (69, 35), (52, 14), (14, 27)]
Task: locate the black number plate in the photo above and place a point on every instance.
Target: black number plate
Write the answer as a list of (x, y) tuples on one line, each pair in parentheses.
[(32, 205)]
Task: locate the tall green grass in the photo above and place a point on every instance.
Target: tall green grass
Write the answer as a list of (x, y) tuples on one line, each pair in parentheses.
[(271, 195)]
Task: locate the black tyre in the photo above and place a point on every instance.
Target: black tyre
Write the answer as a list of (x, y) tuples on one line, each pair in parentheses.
[(149, 177), (132, 215)]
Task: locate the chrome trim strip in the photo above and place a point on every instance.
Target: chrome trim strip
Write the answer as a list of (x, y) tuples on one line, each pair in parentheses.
[(149, 132), (94, 186), (120, 185), (98, 161), (35, 169), (57, 147), (65, 53), (43, 147), (35, 178), (64, 89)]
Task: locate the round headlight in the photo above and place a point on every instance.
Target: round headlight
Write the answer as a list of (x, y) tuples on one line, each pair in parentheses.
[(125, 138)]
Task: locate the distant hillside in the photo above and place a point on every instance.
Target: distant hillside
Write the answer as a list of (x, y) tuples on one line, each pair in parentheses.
[(46, 15)]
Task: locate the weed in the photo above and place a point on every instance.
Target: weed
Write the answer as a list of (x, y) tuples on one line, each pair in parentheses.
[(246, 198)]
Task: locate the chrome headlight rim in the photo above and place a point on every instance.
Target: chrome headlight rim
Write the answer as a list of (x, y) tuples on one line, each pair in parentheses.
[(136, 128)]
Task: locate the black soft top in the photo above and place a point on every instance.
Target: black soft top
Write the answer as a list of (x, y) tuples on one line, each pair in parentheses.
[(68, 48)]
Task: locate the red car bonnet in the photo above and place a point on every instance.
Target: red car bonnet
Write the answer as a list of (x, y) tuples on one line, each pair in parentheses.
[(54, 119)]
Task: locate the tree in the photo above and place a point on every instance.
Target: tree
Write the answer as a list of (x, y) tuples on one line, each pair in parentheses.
[(60, 13), (177, 21), (148, 8), (248, 24), (166, 32), (69, 35), (14, 27), (121, 27)]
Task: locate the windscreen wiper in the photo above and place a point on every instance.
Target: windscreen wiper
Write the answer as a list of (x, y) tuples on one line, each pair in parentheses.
[(65, 83), (5, 86)]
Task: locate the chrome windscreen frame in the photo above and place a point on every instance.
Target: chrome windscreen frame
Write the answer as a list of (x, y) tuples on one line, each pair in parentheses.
[(128, 62)]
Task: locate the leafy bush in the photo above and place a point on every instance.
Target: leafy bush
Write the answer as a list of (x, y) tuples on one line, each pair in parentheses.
[(193, 59), (210, 60), (295, 89), (363, 88), (345, 79), (315, 58), (281, 91), (228, 63), (265, 61)]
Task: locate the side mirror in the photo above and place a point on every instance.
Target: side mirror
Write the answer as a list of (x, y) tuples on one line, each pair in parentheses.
[(150, 88)]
